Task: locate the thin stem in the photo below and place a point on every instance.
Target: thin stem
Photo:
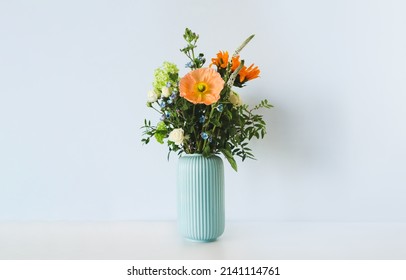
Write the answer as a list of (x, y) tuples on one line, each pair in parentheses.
[(156, 109), (193, 54), (207, 123)]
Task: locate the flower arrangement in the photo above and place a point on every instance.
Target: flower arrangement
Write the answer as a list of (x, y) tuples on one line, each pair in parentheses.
[(200, 112)]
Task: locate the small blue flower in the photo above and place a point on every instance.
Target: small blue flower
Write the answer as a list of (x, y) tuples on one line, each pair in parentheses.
[(168, 84), (170, 101), (167, 114), (189, 64), (210, 139), (220, 108), (204, 135), (202, 119), (163, 104), (173, 96)]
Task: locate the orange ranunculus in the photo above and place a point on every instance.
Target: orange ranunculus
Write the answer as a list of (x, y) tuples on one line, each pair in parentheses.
[(249, 73), (202, 85), (221, 60)]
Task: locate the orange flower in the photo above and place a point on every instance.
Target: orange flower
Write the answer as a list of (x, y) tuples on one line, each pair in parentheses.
[(221, 61), (202, 85), (235, 62), (249, 73)]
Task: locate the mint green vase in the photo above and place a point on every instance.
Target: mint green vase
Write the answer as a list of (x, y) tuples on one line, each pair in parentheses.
[(200, 197)]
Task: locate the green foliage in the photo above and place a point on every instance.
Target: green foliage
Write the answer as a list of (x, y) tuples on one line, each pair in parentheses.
[(191, 40), (161, 132), (149, 132), (229, 156), (223, 127)]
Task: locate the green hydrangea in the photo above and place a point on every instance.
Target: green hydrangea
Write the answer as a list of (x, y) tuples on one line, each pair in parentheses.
[(161, 132), (168, 73)]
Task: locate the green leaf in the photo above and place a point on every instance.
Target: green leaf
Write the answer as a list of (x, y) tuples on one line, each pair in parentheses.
[(173, 76), (206, 151), (228, 155), (228, 114), (184, 107), (215, 122)]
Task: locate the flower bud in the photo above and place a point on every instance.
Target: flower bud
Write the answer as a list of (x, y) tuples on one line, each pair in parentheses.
[(235, 99), (152, 96), (166, 92)]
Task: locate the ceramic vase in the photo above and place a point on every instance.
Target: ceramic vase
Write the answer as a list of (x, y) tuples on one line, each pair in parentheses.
[(200, 187)]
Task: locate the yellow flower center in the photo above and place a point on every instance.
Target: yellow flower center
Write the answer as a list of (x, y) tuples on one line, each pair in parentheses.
[(201, 87)]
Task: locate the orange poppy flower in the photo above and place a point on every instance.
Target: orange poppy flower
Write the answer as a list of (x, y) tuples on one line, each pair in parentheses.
[(221, 60), (202, 85), (249, 73)]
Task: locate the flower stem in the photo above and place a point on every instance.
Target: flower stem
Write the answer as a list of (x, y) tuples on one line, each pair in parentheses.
[(156, 109)]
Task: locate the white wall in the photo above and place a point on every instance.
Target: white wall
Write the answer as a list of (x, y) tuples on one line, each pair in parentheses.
[(73, 83)]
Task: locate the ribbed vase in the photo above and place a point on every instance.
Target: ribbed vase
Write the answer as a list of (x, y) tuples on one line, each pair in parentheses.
[(200, 197)]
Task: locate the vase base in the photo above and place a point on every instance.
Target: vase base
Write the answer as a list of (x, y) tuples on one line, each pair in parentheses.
[(201, 240)]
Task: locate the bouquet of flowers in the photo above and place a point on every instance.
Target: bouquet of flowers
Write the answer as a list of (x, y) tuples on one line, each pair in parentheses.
[(200, 113)]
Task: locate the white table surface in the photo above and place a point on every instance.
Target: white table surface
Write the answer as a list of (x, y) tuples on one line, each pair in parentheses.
[(241, 240)]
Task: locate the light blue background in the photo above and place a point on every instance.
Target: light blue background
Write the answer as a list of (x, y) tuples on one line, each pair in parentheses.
[(73, 82)]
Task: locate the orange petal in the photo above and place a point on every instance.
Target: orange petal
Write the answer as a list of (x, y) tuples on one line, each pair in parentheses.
[(207, 94)]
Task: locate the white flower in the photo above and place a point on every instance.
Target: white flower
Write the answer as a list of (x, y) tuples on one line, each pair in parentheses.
[(176, 136), (166, 92), (235, 99), (152, 96)]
